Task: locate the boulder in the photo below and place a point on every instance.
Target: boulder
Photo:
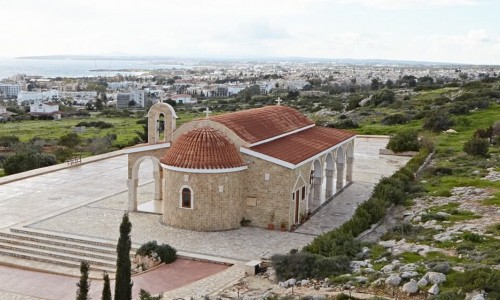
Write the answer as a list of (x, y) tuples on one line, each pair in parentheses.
[(408, 274), (393, 280), (387, 269), (387, 244), (441, 267), (361, 279), (291, 282), (435, 277), (478, 297), (410, 287), (304, 282), (434, 290), (408, 268), (422, 282)]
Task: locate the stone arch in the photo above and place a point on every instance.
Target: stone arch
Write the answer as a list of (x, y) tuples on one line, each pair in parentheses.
[(349, 160), (299, 195), (169, 123), (314, 200), (340, 166), (133, 181), (329, 175)]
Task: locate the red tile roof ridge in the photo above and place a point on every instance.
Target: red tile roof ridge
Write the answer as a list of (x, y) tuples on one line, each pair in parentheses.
[(258, 124)]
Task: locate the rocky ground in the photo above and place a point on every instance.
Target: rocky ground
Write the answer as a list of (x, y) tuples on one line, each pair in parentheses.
[(389, 276)]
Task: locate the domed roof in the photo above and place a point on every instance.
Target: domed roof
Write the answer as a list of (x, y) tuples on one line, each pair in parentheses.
[(203, 148)]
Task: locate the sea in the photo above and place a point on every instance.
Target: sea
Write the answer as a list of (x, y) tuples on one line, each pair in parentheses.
[(51, 68)]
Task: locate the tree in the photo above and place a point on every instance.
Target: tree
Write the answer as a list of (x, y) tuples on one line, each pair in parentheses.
[(375, 85), (123, 284), (84, 285), (106, 289), (145, 295), (384, 95)]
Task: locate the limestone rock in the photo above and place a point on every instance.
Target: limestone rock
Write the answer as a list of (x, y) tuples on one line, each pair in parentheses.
[(434, 290), (408, 268), (410, 287), (361, 279), (393, 280), (387, 244), (422, 282), (304, 282), (435, 277), (478, 297), (387, 269), (441, 267), (291, 281), (409, 274)]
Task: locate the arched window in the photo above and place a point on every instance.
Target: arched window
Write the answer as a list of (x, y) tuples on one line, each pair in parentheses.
[(186, 198)]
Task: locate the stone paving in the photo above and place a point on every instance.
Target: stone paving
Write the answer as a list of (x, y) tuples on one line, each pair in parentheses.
[(89, 200)]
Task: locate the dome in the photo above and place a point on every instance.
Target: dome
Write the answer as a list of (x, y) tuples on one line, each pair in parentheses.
[(203, 148)]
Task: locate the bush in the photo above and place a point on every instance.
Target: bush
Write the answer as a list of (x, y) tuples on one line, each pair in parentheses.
[(477, 147), (166, 253), (302, 265), (437, 122), (22, 162), (477, 279), (8, 140), (385, 95), (406, 140), (395, 119)]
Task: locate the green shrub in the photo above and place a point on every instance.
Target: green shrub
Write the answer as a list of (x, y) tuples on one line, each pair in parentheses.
[(477, 147), (22, 162), (394, 119), (166, 253), (472, 237), (8, 140), (406, 140), (437, 122), (476, 279), (303, 265)]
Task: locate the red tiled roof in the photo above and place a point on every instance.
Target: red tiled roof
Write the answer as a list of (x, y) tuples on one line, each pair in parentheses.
[(254, 125), (300, 146), (203, 148)]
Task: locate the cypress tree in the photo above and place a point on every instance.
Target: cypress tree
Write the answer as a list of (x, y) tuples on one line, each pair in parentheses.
[(106, 289), (84, 285), (123, 284)]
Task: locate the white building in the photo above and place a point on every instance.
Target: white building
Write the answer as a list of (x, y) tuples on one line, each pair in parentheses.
[(47, 108), (80, 97), (10, 90), (184, 99), (37, 97), (123, 99)]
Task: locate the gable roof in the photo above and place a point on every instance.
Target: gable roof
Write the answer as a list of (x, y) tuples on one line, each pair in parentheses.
[(259, 124), (300, 146)]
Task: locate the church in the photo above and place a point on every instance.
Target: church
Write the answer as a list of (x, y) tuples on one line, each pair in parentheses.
[(263, 167)]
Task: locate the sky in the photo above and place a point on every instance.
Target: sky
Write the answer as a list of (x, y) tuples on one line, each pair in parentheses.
[(460, 31)]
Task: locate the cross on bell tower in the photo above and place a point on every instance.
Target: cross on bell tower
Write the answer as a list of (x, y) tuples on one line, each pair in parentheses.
[(279, 101)]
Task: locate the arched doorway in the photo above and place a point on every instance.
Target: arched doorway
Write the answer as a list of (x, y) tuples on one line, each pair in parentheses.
[(133, 183), (329, 176)]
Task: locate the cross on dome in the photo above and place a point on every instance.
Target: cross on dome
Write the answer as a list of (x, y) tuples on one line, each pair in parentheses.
[(207, 112), (279, 101)]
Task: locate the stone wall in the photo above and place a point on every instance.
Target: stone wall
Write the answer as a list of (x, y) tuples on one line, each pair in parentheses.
[(212, 209)]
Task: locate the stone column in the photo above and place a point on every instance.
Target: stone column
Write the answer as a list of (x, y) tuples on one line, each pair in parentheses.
[(132, 194), (158, 187), (340, 176), (317, 193), (329, 183), (350, 163)]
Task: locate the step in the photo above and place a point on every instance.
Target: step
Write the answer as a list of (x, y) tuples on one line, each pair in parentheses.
[(55, 261), (64, 256), (76, 240), (63, 237), (58, 243), (90, 253)]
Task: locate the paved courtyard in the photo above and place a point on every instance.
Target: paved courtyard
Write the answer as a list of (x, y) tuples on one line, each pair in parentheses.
[(89, 200)]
